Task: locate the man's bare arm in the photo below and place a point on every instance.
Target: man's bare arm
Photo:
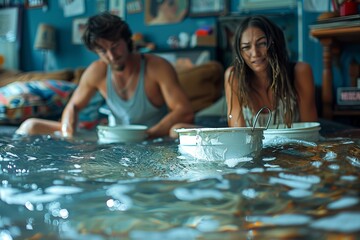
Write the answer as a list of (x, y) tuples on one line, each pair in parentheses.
[(180, 109), (89, 84)]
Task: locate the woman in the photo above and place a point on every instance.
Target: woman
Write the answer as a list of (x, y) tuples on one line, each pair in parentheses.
[(263, 76)]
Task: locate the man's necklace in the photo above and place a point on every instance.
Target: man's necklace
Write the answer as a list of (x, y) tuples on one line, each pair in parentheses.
[(124, 89)]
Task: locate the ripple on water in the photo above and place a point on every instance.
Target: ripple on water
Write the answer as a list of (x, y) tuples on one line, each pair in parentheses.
[(349, 178), (343, 203), (299, 193), (62, 190), (341, 222), (176, 233), (14, 197), (160, 195), (289, 183), (353, 161), (281, 220), (196, 194)]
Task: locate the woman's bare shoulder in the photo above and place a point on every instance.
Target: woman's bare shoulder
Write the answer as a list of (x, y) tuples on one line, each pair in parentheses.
[(228, 71), (303, 72), (304, 79), (300, 67)]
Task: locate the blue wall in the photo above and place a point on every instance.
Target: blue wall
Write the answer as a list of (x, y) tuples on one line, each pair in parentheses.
[(68, 55)]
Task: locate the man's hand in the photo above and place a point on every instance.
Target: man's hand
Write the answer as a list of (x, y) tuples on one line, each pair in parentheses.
[(67, 130)]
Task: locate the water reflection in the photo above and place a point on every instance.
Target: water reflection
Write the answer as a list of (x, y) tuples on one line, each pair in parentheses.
[(53, 188)]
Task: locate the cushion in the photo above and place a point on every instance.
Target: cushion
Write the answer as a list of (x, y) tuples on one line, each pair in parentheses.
[(202, 83), (90, 116), (66, 75), (43, 99), (77, 74)]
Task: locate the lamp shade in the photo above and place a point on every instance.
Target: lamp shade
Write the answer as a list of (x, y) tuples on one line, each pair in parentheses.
[(45, 37)]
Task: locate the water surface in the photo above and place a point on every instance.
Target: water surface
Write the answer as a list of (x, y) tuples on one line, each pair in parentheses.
[(53, 188)]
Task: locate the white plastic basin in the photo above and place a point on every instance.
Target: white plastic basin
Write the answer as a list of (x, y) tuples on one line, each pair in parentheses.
[(220, 143), (307, 131), (121, 133)]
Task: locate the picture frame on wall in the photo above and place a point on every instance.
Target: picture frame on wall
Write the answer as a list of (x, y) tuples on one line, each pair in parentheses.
[(78, 28), (203, 8), (117, 7), (165, 12), (35, 3), (134, 6)]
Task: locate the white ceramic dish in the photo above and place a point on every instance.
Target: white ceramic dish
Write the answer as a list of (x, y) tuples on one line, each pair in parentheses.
[(307, 131), (121, 133)]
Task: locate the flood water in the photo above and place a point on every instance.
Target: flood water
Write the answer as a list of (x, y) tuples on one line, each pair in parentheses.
[(53, 188)]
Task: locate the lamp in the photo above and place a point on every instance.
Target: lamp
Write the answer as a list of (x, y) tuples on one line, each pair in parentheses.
[(45, 41)]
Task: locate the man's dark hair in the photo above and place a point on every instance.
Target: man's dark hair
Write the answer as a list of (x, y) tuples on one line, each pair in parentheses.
[(106, 26)]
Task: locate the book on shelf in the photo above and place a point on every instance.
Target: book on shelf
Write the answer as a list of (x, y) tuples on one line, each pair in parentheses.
[(348, 96), (334, 22), (354, 17)]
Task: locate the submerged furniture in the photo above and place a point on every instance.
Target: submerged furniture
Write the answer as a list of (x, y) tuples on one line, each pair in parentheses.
[(333, 35)]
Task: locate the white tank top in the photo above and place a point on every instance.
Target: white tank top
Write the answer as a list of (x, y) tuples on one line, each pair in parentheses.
[(263, 118), (136, 110)]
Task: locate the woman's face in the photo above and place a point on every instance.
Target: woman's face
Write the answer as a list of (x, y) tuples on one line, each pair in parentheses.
[(254, 48)]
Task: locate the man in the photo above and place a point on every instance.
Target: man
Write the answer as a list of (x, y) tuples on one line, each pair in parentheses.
[(139, 89)]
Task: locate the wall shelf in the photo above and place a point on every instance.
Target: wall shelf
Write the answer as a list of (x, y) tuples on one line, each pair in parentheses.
[(333, 36)]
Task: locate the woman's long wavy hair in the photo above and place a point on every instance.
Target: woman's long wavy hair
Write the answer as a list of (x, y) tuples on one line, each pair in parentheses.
[(106, 26), (282, 87)]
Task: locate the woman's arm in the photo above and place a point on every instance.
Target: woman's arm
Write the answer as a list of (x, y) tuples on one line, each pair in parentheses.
[(234, 115), (304, 84)]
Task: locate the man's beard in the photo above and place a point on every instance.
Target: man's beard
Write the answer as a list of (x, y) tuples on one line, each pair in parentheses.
[(119, 68)]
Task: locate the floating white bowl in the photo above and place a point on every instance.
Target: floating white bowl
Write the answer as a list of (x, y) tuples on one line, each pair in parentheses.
[(121, 133), (307, 131)]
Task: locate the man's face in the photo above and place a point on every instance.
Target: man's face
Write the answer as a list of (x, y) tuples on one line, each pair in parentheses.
[(113, 53)]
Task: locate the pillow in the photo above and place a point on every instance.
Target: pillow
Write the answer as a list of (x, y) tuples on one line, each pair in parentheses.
[(78, 72), (90, 116), (66, 75), (203, 83), (44, 99)]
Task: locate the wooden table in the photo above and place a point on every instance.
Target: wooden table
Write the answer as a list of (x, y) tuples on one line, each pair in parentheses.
[(332, 39)]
